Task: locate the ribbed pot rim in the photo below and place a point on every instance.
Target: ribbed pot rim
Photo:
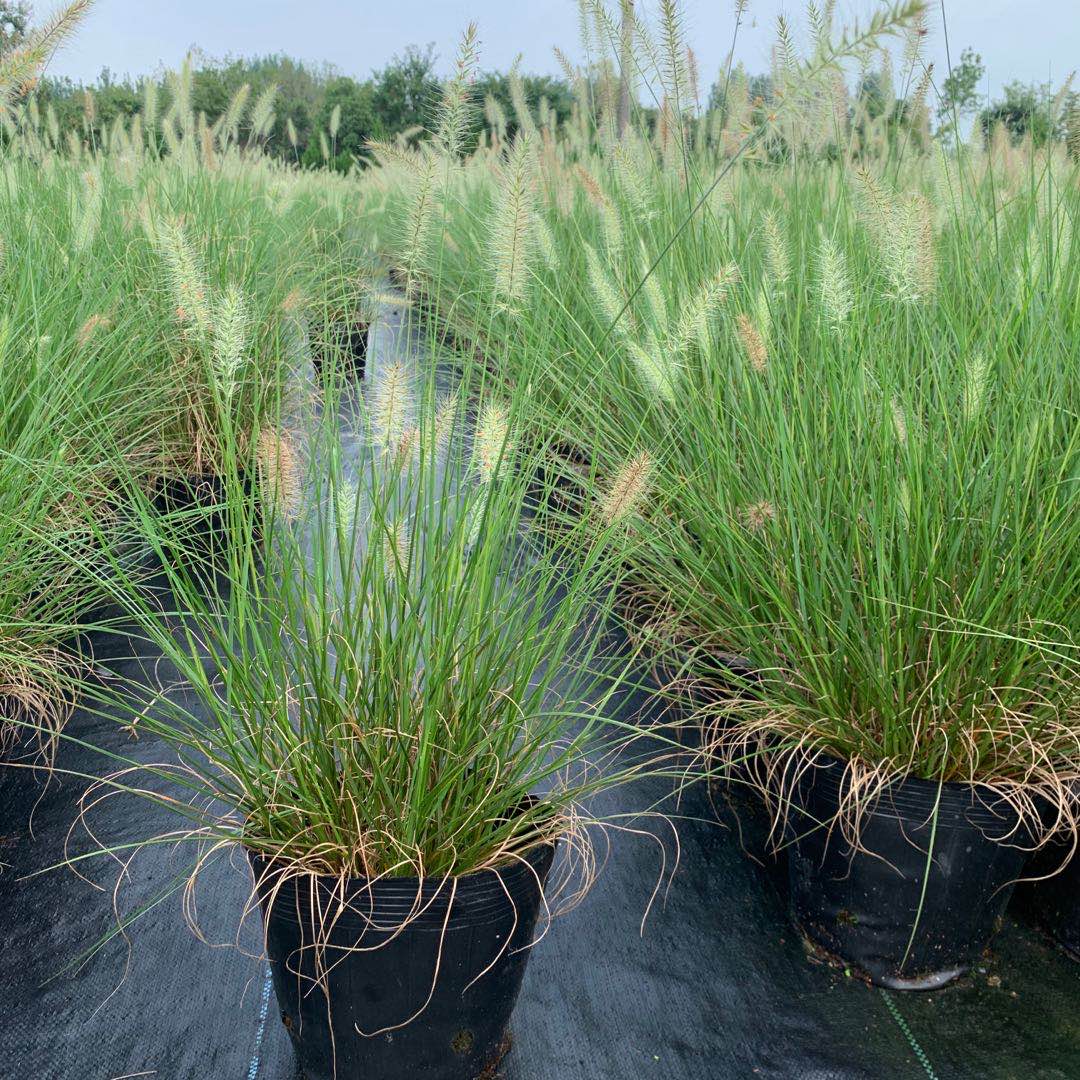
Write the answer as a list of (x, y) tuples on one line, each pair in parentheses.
[(389, 903), (912, 799)]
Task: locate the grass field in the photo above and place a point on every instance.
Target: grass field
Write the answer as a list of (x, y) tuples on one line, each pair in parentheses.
[(799, 378), (845, 359)]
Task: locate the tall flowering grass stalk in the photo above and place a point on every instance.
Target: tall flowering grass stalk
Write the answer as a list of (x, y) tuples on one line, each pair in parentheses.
[(512, 241)]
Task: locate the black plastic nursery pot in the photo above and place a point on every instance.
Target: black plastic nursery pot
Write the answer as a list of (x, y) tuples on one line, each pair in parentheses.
[(1050, 896), (722, 677), (1054, 902), (202, 495), (915, 903), (411, 977), (189, 491), (349, 340), (559, 485)]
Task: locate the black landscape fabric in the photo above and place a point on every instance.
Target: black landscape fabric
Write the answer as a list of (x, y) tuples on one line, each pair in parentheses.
[(716, 985)]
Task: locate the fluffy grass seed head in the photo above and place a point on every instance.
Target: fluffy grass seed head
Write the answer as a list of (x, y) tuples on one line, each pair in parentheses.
[(763, 320), (522, 112), (87, 213), (834, 283), (512, 237), (903, 230), (777, 252), (185, 274), (294, 301), (492, 443), (346, 504), (233, 117), (610, 220), (628, 490), (976, 386), (636, 188), (279, 472), (229, 340), (899, 421), (604, 290), (752, 342), (699, 312), (758, 514), (392, 406), (443, 423), (657, 365), (90, 328), (150, 103), (397, 550), (20, 67), (420, 212), (457, 107), (262, 113)]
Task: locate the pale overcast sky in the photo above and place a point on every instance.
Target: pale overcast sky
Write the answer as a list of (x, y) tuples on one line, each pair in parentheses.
[(1032, 40)]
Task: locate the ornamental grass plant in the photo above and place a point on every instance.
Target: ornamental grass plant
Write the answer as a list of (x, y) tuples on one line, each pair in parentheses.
[(387, 672), (850, 353), (158, 289)]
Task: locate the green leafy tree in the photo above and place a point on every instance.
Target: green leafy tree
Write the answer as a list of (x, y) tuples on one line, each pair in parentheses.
[(406, 90), (357, 122), (300, 89), (871, 96), (109, 98), (1025, 109), (210, 92), (556, 91), (14, 22), (113, 99), (755, 87), (960, 90)]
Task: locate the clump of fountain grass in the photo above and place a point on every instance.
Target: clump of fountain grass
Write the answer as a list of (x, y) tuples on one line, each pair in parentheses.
[(135, 333), (389, 679), (866, 460)]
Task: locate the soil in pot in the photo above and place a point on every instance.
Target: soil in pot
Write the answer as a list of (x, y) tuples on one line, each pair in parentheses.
[(916, 903), (416, 977)]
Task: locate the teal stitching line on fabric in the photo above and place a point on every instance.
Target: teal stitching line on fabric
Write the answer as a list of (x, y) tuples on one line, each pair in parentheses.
[(902, 1024), (264, 1008)]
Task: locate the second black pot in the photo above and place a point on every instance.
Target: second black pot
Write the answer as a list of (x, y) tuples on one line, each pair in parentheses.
[(902, 919), (197, 504), (1051, 895), (348, 340), (1054, 902), (452, 956)]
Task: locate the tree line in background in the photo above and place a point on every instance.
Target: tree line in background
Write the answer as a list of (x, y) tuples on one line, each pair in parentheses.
[(321, 116)]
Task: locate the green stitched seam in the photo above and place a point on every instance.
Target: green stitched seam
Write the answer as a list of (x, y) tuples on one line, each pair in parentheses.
[(924, 1061)]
